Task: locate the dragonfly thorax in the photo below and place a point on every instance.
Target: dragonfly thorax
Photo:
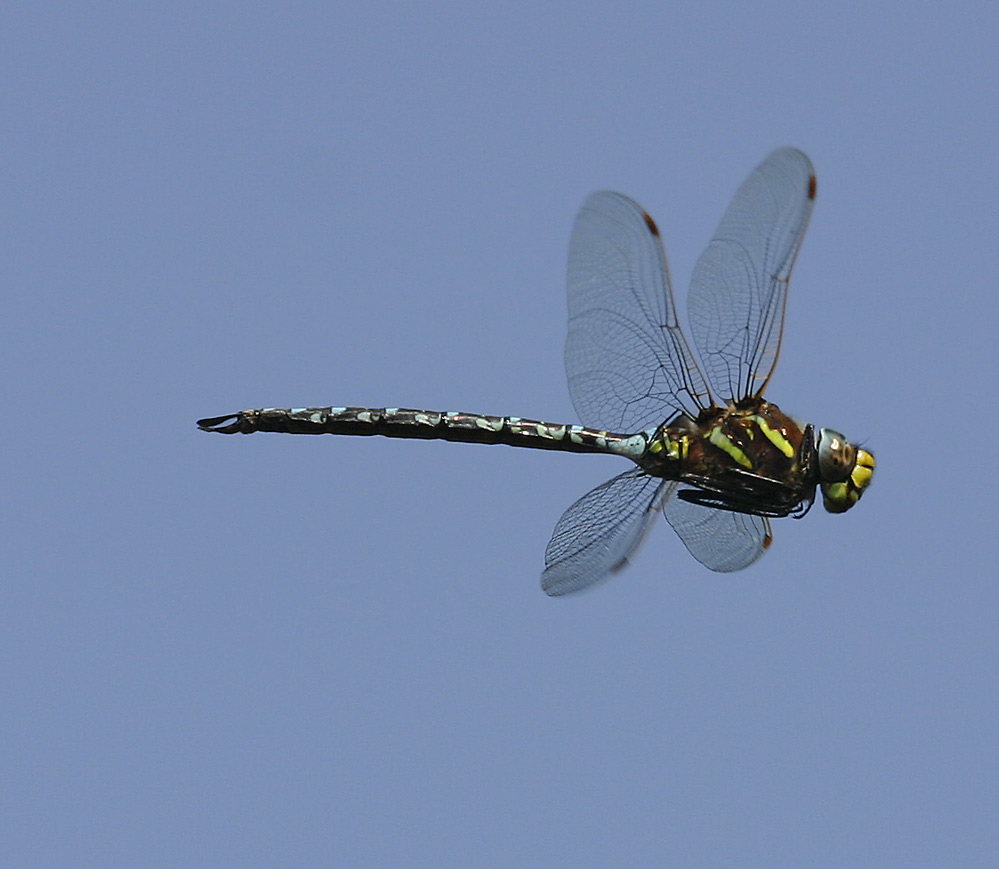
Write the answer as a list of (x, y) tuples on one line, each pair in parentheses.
[(748, 457)]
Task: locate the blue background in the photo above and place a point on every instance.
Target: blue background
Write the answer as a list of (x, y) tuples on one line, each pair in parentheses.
[(289, 651)]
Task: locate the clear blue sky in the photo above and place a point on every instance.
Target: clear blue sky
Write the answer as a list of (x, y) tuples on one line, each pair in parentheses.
[(270, 650)]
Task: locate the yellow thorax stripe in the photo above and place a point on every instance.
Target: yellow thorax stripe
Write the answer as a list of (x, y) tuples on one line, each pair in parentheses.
[(775, 437)]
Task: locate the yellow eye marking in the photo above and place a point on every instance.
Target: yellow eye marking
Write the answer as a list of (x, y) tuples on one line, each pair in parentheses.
[(862, 472)]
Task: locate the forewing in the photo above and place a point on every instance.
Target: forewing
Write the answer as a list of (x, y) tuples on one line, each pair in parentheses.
[(739, 289), (628, 364), (720, 539), (598, 533)]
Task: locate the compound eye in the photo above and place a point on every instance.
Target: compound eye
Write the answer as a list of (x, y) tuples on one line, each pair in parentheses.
[(837, 456)]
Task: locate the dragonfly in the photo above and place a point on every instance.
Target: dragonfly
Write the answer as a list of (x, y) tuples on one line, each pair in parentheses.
[(707, 450)]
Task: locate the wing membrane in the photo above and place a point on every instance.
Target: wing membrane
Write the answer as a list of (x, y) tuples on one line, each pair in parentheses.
[(630, 368), (739, 288), (720, 539), (598, 533), (628, 364)]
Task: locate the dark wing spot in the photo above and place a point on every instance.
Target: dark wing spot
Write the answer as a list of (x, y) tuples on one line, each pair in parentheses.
[(650, 223), (811, 186)]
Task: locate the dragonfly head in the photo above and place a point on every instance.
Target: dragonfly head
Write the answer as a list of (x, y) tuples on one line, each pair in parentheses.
[(845, 471)]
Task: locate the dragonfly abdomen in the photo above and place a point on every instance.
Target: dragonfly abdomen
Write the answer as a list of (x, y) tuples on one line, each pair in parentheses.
[(396, 422)]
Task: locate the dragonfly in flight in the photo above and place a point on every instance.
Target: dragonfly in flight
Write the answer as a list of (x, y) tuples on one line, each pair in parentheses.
[(708, 451)]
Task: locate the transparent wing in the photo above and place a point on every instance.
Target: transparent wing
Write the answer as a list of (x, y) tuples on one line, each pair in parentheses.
[(598, 533), (739, 288), (628, 364), (719, 539)]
